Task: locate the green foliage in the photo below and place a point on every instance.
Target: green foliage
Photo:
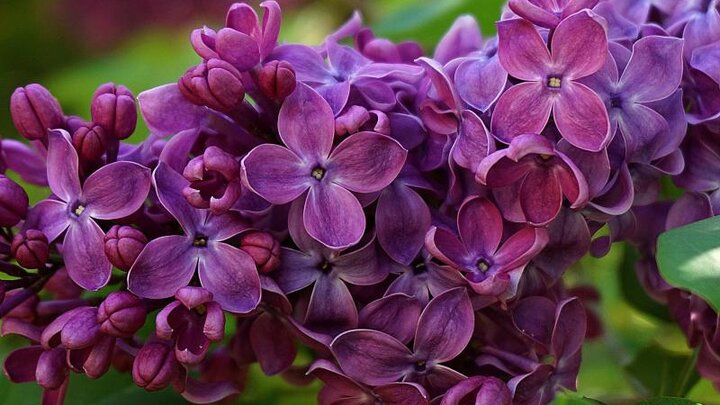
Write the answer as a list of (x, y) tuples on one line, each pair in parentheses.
[(689, 258), (633, 292), (668, 401), (662, 372)]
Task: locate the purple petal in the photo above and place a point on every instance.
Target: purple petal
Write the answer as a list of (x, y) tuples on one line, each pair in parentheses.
[(272, 343), (523, 108), (25, 161), (332, 308), (409, 284), (297, 270), (165, 265), (176, 152), (535, 318), (480, 389), (480, 225), (231, 275), (655, 69), (581, 117), (308, 64), (276, 173), (240, 49), (641, 127), (595, 166), (336, 94), (480, 82), (344, 59), (521, 50), (396, 314), (62, 165), (402, 393), (579, 45), (618, 195), (225, 226), (19, 366), (440, 379), (333, 216), (84, 254), (201, 392), (166, 111), (445, 326), (473, 143), (372, 357), (270, 27), (340, 386), (539, 14), (360, 267), (49, 216), (569, 331), (378, 94), (169, 185), (116, 190), (402, 218), (540, 197), (461, 39), (307, 124), (366, 162)]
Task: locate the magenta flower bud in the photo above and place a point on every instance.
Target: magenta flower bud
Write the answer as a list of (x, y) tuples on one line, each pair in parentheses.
[(276, 79), (263, 248), (155, 366), (90, 141), (13, 202), (351, 120), (113, 108), (34, 110), (215, 83), (51, 370), (30, 249), (214, 180), (203, 41), (123, 245), (121, 314), (98, 359)]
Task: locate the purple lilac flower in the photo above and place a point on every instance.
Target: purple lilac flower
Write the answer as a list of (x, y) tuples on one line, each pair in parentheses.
[(78, 206), (550, 81), (548, 13)]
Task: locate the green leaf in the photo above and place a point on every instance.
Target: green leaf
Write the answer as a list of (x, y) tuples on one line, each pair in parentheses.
[(689, 258), (662, 372), (568, 398), (633, 292), (668, 401)]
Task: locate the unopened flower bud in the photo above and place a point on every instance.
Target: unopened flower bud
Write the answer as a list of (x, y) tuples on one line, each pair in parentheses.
[(97, 360), (155, 366), (123, 245), (263, 248), (34, 110), (51, 370), (90, 142), (113, 108), (13, 202), (276, 79), (214, 180), (30, 249), (215, 83), (351, 120), (121, 314)]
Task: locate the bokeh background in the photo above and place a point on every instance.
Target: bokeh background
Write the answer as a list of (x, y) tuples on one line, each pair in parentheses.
[(72, 46)]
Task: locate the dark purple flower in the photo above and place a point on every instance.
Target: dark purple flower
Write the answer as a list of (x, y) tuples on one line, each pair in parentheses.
[(90, 142), (550, 81), (395, 314), (491, 269), (34, 111), (13, 202), (214, 180), (155, 366), (113, 108), (539, 176), (30, 249), (114, 191), (363, 163), (548, 13), (169, 263), (123, 245), (121, 314), (376, 358), (478, 390)]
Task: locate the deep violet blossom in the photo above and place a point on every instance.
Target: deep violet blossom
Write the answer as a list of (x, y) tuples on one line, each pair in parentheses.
[(364, 163), (78, 206), (550, 81)]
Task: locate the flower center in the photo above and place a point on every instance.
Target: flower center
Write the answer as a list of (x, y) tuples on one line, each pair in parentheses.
[(483, 265), (318, 173), (419, 268), (325, 266), (616, 101), (200, 241), (420, 366), (78, 209), (554, 82), (201, 309)]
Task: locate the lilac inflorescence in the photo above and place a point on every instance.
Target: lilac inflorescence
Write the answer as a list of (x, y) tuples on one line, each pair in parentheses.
[(407, 218)]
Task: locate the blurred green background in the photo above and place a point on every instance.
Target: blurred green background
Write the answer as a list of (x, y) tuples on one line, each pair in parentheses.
[(72, 46)]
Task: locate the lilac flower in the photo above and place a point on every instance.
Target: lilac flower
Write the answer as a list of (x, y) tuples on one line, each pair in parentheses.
[(422, 278), (365, 162), (547, 13), (375, 358), (168, 263), (539, 176), (491, 268), (578, 49), (102, 196)]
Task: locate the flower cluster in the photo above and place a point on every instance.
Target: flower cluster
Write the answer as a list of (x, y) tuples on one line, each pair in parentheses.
[(406, 218)]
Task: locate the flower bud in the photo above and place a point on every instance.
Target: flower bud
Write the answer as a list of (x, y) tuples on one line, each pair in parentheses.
[(123, 245), (276, 80), (121, 314), (214, 180), (13, 202), (215, 83), (30, 249), (113, 108), (155, 366), (34, 110), (90, 142), (203, 41), (351, 120), (51, 370), (263, 248), (99, 357)]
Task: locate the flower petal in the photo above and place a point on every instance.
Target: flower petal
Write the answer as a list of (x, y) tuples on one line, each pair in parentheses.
[(641, 128), (332, 308), (165, 265), (116, 190), (19, 366), (297, 270), (166, 111), (581, 117), (62, 166), (306, 123), (579, 45), (540, 197), (655, 69), (445, 326), (231, 275), (360, 267), (474, 142), (402, 218), (169, 185), (522, 50), (272, 343), (276, 173), (402, 393), (366, 162), (462, 38), (480, 82), (569, 330), (240, 49), (524, 108), (333, 216), (84, 254), (49, 216), (371, 357), (480, 225), (395, 314)]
